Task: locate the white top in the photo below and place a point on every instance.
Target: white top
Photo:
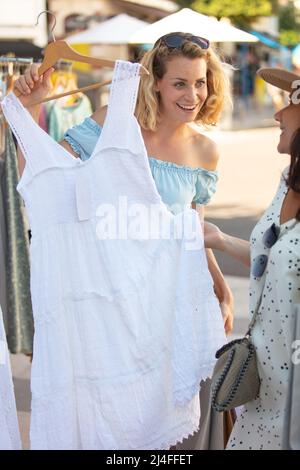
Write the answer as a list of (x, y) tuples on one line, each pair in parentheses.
[(260, 426), (126, 325), (9, 428)]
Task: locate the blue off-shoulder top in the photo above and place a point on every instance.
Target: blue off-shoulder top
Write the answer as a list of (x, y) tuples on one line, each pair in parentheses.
[(178, 185)]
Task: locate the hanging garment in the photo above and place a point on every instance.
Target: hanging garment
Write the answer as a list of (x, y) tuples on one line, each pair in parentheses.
[(2, 132), (43, 117), (19, 309), (61, 116), (3, 248), (9, 429), (126, 320)]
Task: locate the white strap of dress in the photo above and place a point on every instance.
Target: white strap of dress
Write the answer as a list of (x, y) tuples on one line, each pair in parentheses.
[(39, 149), (19, 122), (120, 129), (124, 89)]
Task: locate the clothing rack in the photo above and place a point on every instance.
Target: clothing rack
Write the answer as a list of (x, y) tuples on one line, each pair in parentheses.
[(15, 60), (14, 64), (14, 241), (11, 68)]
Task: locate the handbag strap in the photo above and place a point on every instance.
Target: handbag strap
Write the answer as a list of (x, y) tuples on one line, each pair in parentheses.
[(254, 316)]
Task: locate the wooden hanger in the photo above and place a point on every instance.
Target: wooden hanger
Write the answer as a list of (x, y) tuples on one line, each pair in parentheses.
[(60, 49)]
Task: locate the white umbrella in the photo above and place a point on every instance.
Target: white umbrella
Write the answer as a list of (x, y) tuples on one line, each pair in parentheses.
[(189, 21), (117, 30)]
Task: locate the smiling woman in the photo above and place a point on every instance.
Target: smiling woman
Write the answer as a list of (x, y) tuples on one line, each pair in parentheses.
[(195, 73)]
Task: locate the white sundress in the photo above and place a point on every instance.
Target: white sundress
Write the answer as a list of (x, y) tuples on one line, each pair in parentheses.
[(9, 427), (260, 425), (126, 326)]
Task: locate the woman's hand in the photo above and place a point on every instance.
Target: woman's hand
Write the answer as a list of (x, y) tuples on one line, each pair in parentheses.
[(221, 287), (213, 237), (32, 87), (227, 308)]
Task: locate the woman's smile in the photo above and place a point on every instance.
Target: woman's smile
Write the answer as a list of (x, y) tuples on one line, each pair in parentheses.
[(187, 108)]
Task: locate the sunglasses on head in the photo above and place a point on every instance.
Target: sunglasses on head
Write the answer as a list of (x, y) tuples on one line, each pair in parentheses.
[(176, 40)]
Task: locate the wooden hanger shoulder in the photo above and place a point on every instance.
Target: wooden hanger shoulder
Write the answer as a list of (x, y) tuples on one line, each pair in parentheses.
[(61, 50)]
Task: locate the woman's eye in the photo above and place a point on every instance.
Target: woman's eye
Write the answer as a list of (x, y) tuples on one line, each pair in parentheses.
[(179, 84), (200, 84)]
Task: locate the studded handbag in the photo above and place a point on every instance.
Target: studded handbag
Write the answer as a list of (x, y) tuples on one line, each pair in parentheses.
[(235, 379)]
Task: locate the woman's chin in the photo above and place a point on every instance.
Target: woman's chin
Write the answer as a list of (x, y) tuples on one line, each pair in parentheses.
[(282, 149), (188, 118)]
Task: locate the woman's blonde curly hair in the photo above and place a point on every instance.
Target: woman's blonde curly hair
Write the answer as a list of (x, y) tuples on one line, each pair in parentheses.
[(155, 60)]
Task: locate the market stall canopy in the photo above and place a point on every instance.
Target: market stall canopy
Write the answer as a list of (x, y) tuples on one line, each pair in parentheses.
[(21, 49), (266, 40), (117, 30), (190, 21)]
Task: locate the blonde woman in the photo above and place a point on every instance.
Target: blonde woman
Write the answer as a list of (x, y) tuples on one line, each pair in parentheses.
[(187, 85)]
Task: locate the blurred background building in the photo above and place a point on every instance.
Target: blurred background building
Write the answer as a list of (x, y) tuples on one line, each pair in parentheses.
[(107, 28)]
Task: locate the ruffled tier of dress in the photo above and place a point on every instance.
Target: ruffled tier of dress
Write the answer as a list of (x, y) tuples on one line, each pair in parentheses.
[(111, 356)]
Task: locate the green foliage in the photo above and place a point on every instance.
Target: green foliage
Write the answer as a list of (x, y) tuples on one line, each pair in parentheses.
[(235, 10), (289, 37), (289, 24), (184, 3), (288, 17)]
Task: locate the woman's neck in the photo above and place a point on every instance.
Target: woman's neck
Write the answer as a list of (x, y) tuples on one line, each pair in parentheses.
[(168, 130)]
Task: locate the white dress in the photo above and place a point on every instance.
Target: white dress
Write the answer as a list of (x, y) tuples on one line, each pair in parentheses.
[(126, 324), (260, 425), (9, 427)]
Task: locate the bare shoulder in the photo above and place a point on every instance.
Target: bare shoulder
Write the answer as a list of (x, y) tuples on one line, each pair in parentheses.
[(207, 152), (99, 115)]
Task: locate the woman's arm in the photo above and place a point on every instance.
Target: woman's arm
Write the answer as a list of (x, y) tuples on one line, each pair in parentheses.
[(221, 287), (235, 247), (222, 291)]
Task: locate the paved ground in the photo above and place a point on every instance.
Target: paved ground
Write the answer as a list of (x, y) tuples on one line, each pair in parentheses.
[(21, 373), (249, 173)]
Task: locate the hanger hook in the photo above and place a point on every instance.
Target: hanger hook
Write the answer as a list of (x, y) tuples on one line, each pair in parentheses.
[(54, 22)]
